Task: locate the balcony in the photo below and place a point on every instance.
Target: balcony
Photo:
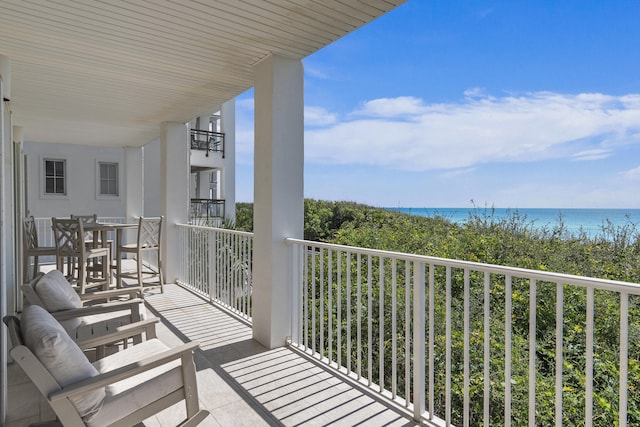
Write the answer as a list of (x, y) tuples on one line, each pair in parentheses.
[(207, 141), (384, 338), (207, 212)]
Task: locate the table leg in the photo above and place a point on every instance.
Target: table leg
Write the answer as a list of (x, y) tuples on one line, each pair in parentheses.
[(118, 257)]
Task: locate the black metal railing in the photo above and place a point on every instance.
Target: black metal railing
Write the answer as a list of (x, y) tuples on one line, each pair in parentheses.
[(207, 141), (207, 209)]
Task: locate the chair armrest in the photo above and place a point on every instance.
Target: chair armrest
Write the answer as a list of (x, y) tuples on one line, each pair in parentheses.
[(148, 327), (127, 371), (97, 309), (98, 295)]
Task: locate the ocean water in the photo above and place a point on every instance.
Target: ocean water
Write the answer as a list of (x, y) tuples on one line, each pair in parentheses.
[(590, 221)]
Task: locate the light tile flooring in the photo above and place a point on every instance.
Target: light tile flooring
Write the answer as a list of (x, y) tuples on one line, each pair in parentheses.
[(241, 383)]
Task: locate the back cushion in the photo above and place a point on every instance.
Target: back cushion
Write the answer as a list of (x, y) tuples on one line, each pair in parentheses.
[(57, 352), (56, 292)]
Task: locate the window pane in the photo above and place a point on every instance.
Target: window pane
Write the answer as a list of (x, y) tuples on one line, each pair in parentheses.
[(54, 176), (48, 168), (59, 186), (108, 179), (49, 185)]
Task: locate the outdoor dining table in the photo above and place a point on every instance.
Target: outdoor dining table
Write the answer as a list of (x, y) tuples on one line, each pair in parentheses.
[(101, 229)]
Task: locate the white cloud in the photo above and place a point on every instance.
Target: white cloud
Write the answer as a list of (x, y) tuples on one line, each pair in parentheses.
[(482, 129), (632, 174), (318, 116), (245, 104), (392, 107), (595, 154)]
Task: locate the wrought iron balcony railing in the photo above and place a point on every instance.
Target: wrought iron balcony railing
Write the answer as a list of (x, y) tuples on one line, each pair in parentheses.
[(207, 141), (207, 209)]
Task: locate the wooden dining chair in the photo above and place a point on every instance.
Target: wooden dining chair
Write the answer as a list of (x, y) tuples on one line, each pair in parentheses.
[(70, 245), (148, 241), (32, 248)]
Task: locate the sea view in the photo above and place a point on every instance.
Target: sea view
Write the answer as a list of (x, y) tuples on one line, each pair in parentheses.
[(589, 220)]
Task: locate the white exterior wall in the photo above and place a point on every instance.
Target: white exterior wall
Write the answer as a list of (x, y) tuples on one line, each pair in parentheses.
[(82, 181)]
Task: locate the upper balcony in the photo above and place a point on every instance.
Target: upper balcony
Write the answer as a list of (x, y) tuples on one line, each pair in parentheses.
[(207, 141), (209, 212)]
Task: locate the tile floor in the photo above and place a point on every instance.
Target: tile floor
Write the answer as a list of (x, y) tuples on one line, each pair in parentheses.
[(241, 383)]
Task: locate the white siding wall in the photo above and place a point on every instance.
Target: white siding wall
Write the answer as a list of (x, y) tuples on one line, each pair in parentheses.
[(82, 191)]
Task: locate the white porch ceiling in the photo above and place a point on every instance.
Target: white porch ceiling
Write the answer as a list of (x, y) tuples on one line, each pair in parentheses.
[(109, 72)]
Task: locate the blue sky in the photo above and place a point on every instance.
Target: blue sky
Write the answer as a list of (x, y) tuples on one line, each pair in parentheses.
[(513, 104)]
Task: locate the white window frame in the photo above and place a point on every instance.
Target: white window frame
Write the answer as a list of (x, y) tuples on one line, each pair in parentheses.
[(99, 194), (43, 181)]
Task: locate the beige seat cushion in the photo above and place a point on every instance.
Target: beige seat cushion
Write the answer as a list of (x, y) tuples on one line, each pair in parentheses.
[(138, 391), (57, 352)]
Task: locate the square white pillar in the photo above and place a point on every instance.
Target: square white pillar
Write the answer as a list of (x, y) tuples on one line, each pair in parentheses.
[(174, 191), (134, 182), (278, 192), (228, 175)]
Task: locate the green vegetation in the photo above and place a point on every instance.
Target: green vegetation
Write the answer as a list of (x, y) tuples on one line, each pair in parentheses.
[(614, 253)]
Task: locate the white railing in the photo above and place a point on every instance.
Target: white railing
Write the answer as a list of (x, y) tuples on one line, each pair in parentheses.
[(462, 343), (218, 263)]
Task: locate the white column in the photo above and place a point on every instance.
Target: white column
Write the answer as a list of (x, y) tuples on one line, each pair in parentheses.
[(203, 185), (228, 175), (19, 208), (174, 190), (5, 227), (134, 182), (278, 191)]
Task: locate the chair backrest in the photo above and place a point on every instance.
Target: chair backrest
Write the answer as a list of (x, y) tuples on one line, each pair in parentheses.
[(29, 291), (86, 219), (30, 233), (68, 235), (150, 232)]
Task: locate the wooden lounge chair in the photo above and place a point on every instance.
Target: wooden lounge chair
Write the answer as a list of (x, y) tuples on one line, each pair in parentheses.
[(122, 389), (80, 316)]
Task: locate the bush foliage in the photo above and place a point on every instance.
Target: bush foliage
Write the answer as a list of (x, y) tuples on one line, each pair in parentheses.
[(612, 253)]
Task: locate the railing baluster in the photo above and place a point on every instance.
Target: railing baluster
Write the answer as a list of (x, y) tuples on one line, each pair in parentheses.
[(487, 349), (348, 273), (532, 352), (359, 322), (321, 316), (211, 259), (381, 326), (394, 334), (624, 362), (418, 341), (466, 362), (407, 332), (313, 299), (330, 302), (559, 346), (339, 307), (305, 293), (447, 377), (508, 296), (588, 395), (369, 319), (432, 333)]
